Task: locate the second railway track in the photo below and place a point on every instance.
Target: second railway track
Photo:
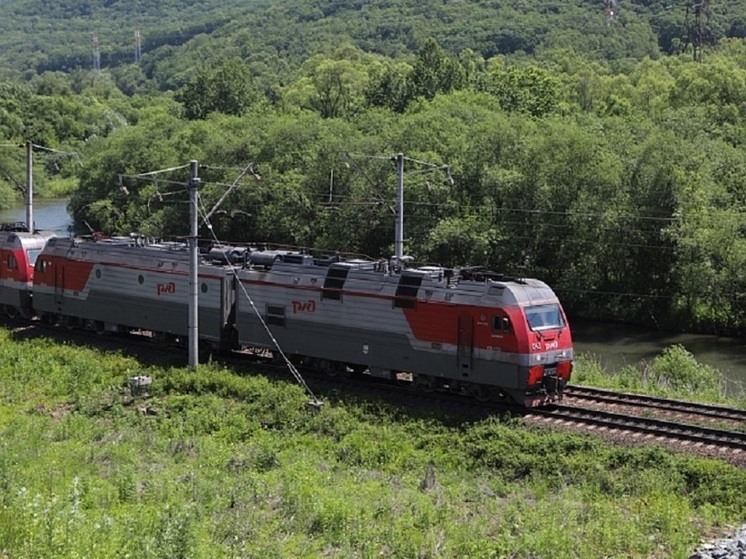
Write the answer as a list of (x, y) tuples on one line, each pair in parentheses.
[(667, 408), (637, 427)]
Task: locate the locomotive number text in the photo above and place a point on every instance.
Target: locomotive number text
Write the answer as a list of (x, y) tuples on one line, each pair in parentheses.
[(303, 306), (536, 346)]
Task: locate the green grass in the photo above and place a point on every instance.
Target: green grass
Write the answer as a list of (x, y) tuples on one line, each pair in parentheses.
[(222, 464)]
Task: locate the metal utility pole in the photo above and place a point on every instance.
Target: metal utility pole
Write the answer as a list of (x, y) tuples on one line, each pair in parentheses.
[(610, 11), (398, 210), (138, 45), (399, 229), (96, 55), (193, 327), (30, 186), (699, 33)]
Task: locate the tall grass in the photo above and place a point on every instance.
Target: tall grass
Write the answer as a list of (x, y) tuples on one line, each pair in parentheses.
[(224, 464)]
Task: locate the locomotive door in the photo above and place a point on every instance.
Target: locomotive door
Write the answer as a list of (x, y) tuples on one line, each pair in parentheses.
[(59, 284), (465, 343)]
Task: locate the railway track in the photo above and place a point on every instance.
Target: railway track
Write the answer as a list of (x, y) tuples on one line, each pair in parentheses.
[(684, 411), (706, 429)]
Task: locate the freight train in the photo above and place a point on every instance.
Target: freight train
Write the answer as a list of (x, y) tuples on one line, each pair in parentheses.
[(464, 330)]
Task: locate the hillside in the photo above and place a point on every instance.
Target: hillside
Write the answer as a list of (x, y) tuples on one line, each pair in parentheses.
[(275, 37), (578, 150)]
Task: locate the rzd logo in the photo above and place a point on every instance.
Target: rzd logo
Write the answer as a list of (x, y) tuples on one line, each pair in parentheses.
[(162, 288), (303, 306)]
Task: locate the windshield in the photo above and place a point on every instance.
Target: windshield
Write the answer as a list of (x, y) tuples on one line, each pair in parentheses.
[(545, 317), (33, 254)]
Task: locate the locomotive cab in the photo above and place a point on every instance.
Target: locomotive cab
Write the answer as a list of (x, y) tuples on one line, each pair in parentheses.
[(551, 362), (18, 253)]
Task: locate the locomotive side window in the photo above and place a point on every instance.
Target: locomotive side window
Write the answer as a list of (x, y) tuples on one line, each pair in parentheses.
[(276, 315), (12, 262), (406, 292), (501, 325), (333, 283), (544, 317), (41, 266)]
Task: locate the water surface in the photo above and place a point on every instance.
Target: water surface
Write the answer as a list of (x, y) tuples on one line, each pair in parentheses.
[(49, 215), (617, 345)]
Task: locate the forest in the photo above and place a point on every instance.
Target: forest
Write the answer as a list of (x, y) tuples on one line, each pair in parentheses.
[(593, 146)]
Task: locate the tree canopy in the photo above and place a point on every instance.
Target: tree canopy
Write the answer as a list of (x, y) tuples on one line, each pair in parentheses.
[(618, 177)]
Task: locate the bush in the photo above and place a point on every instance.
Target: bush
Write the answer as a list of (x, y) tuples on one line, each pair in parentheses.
[(677, 370)]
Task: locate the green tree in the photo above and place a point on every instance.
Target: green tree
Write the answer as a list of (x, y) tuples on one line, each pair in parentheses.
[(434, 72), (226, 87), (388, 87), (463, 240), (334, 88), (530, 90)]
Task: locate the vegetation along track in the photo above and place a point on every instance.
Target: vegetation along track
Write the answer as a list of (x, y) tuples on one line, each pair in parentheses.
[(634, 426)]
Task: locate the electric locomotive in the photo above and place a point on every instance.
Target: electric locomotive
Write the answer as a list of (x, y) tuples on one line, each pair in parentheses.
[(124, 284), (19, 249), (470, 331), (466, 330)]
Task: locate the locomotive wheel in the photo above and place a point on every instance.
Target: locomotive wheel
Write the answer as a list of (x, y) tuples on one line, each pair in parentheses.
[(331, 368), (277, 358), (164, 338), (159, 337), (11, 311), (485, 393), (426, 383), (480, 392), (357, 369), (49, 318), (205, 350)]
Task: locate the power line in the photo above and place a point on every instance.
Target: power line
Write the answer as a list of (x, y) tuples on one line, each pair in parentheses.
[(289, 364), (96, 55), (736, 212)]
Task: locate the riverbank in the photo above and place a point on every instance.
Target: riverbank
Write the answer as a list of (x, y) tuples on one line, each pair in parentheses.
[(616, 346)]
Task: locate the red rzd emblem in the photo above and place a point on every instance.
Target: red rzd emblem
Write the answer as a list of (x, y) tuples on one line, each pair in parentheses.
[(303, 306), (162, 288)]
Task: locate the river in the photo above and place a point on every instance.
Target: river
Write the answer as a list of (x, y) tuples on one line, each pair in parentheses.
[(613, 345), (617, 345), (50, 215)]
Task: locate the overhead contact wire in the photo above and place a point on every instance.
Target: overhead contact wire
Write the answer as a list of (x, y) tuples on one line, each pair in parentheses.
[(292, 368)]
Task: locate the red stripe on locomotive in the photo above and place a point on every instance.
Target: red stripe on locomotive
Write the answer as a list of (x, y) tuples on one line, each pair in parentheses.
[(63, 273), (438, 323)]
